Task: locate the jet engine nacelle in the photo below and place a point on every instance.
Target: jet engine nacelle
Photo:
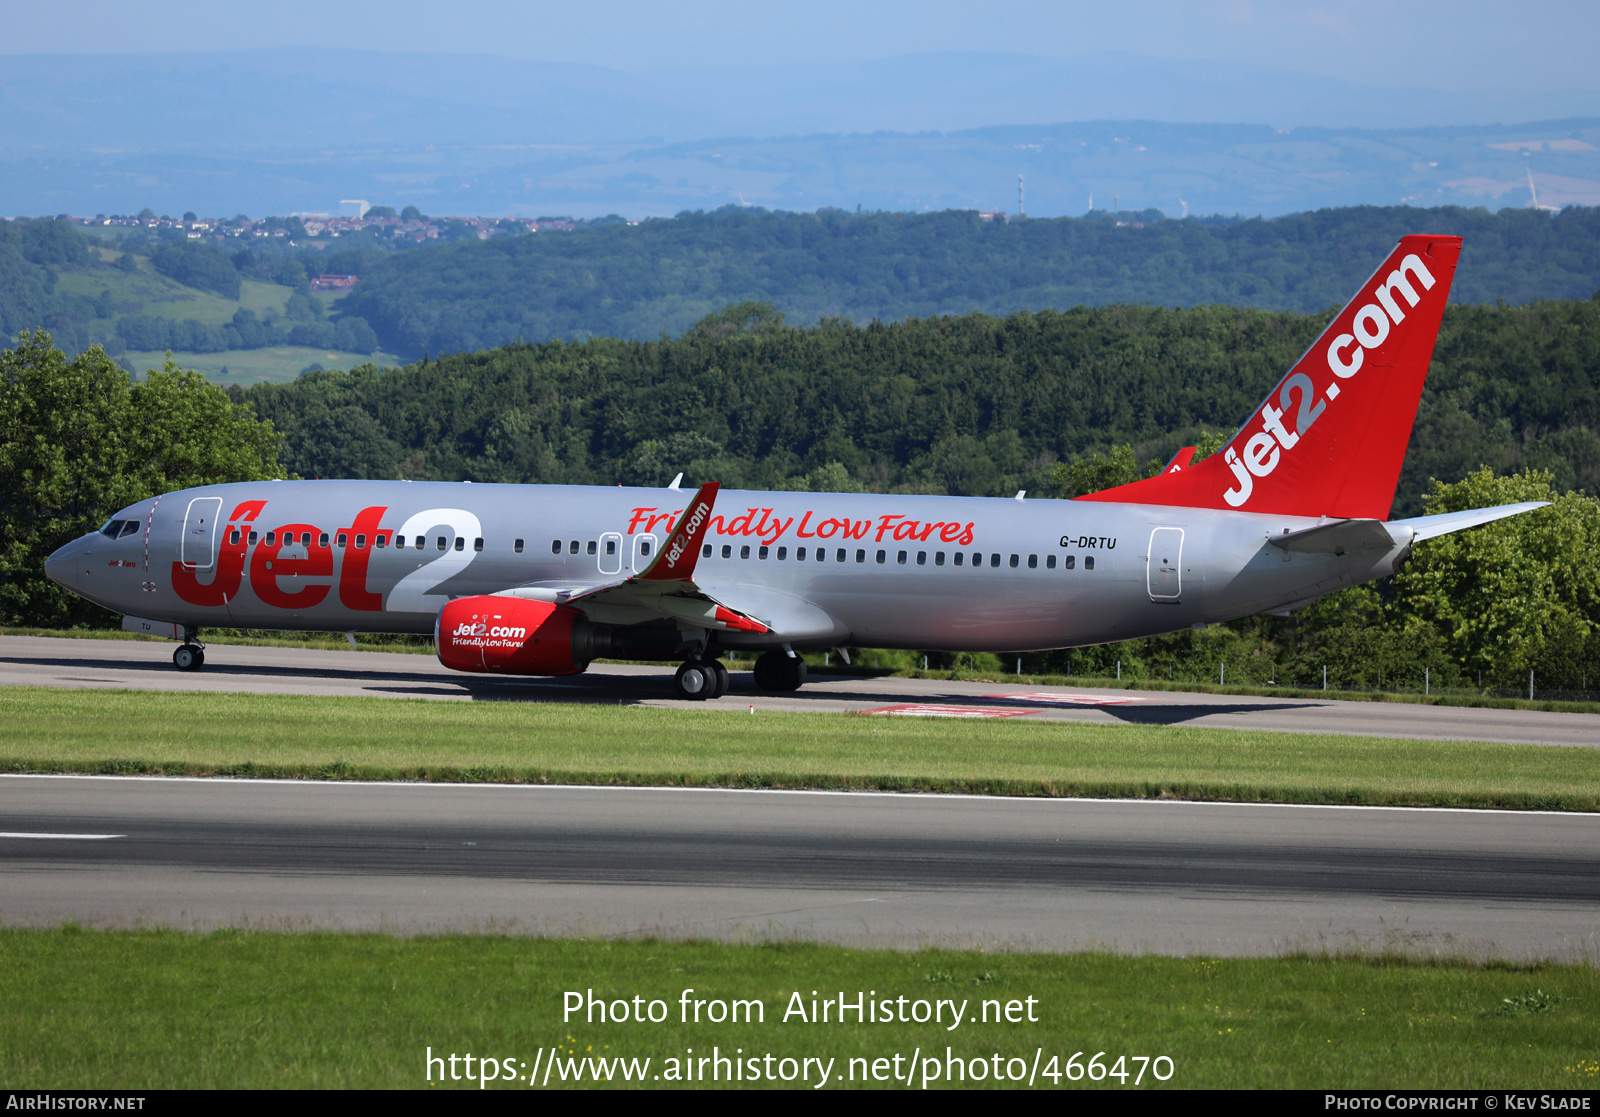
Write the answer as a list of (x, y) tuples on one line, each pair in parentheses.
[(512, 636)]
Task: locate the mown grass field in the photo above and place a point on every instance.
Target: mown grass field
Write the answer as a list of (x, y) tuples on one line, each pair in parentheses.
[(249, 366), (48, 729), (247, 1010)]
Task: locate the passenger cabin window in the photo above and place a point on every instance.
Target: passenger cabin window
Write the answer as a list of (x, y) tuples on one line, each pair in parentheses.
[(644, 549), (593, 548), (272, 537), (1033, 562), (305, 539), (881, 555), (1069, 562), (380, 541), (611, 546), (783, 553), (727, 550), (441, 543), (420, 541), (861, 554), (361, 542), (477, 544), (705, 552), (252, 537), (1088, 562), (516, 546), (838, 556), (799, 554), (233, 536), (555, 546), (1014, 561), (761, 553), (461, 542), (572, 548), (1050, 562), (994, 559), (744, 552), (922, 558), (960, 558), (938, 558)]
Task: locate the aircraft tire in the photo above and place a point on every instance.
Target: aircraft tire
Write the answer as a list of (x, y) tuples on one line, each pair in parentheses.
[(793, 675), (778, 671), (767, 670), (695, 681), (721, 670), (188, 657)]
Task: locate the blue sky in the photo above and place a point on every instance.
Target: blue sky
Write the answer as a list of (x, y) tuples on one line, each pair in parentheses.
[(1467, 45)]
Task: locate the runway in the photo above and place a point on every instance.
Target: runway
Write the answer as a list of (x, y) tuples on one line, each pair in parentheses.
[(34, 661), (859, 869)]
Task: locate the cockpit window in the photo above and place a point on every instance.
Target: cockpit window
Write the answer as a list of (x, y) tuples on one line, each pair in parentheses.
[(129, 527), (112, 528)]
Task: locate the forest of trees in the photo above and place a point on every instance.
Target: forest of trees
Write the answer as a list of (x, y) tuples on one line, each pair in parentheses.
[(660, 277), (607, 278), (974, 405)]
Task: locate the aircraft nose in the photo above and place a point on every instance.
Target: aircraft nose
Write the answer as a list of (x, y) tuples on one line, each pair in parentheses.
[(61, 566)]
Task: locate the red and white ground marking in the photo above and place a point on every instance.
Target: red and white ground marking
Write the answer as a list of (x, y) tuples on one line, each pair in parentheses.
[(1043, 698), (929, 710)]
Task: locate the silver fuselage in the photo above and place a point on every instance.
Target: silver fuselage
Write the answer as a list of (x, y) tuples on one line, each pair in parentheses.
[(1031, 574)]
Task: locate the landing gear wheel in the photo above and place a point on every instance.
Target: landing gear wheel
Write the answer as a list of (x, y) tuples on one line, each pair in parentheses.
[(721, 672), (779, 671), (189, 657), (696, 681)]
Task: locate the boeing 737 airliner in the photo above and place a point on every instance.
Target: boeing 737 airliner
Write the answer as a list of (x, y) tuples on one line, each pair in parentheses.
[(539, 580)]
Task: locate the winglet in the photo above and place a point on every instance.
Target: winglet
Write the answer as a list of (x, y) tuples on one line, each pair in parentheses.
[(676, 560), (1179, 460)]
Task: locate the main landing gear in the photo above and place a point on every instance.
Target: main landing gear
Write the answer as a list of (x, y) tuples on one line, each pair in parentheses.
[(191, 654), (700, 679), (780, 671)]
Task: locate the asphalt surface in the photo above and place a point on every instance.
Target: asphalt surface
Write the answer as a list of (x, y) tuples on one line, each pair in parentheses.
[(860, 869), (34, 661)]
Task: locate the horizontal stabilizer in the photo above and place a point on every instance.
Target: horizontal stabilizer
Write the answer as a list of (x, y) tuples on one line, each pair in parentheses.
[(1336, 538), (1426, 527)]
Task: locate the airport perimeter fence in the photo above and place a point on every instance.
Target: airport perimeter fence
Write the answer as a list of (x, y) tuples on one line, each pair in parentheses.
[(1330, 683)]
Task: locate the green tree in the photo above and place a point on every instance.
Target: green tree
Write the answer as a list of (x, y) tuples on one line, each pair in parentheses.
[(412, 213), (1102, 469), (1517, 595), (79, 440)]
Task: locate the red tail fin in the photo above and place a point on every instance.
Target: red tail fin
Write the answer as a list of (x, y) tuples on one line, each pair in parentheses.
[(1331, 437)]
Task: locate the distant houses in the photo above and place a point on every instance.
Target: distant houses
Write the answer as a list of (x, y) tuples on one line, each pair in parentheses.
[(333, 282)]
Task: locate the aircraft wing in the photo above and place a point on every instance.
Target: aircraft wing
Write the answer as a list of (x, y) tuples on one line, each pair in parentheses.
[(663, 590)]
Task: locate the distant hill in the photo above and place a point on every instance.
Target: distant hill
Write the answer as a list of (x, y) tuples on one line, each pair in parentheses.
[(660, 277), (275, 131)]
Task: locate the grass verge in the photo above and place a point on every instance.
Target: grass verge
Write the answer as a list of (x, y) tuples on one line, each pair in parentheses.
[(248, 1010), (46, 729)]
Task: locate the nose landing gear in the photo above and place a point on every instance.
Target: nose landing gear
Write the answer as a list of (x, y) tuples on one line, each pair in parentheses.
[(191, 654)]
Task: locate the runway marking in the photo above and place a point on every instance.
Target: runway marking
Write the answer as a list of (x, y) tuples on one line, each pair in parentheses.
[(65, 837), (1019, 802), (1069, 699), (931, 710)]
